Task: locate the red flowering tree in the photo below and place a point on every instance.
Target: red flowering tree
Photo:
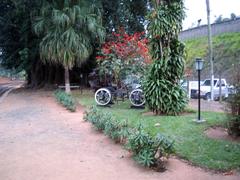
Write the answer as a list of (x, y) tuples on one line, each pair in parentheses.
[(123, 54)]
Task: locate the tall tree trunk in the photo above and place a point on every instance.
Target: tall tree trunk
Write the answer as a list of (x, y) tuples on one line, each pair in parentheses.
[(67, 82)]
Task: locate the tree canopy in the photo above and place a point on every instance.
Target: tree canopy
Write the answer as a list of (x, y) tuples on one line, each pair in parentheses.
[(127, 14), (68, 30), (20, 45)]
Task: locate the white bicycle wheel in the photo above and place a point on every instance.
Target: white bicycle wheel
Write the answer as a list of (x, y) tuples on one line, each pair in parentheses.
[(103, 96), (136, 97)]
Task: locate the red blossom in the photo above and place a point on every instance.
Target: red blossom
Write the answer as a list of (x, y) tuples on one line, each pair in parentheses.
[(126, 46)]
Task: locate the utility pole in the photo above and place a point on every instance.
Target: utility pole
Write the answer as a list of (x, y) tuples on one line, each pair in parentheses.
[(210, 49)]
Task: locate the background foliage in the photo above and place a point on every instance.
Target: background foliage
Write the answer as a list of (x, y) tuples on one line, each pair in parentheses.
[(123, 54), (20, 46), (68, 29), (127, 14), (226, 52)]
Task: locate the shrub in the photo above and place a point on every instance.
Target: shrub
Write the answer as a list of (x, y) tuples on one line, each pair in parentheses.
[(162, 95), (234, 115), (116, 130), (98, 118), (91, 115), (162, 88), (234, 105), (149, 151), (234, 126), (66, 100)]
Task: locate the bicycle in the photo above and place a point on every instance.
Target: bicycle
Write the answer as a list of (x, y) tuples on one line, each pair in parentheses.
[(106, 95)]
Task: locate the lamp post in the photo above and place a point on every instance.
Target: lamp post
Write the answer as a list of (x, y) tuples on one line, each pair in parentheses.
[(199, 66)]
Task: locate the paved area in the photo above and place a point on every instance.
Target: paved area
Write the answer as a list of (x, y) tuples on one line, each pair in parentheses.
[(40, 140)]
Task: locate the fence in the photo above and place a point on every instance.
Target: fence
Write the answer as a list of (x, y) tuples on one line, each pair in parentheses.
[(217, 28)]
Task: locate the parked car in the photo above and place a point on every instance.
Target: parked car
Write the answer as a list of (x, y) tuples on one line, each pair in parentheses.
[(189, 85), (205, 89)]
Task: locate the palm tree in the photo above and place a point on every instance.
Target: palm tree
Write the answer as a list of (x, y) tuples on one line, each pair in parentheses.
[(68, 28)]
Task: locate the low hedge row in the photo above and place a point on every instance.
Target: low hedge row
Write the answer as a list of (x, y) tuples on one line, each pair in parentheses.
[(66, 100), (147, 150)]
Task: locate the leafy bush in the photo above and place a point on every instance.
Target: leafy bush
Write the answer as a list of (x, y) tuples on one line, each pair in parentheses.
[(234, 105), (162, 88), (147, 150), (116, 130), (161, 94), (98, 118), (234, 126), (66, 100)]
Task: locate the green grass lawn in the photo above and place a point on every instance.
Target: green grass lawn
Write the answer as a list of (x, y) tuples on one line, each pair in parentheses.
[(190, 142)]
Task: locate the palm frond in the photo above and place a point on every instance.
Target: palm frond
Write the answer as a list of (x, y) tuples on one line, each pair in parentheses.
[(70, 27)]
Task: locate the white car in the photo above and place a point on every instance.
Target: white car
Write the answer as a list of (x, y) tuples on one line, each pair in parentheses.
[(205, 89)]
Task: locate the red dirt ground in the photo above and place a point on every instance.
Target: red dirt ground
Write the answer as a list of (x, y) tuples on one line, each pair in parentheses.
[(220, 133), (4, 80), (40, 140)]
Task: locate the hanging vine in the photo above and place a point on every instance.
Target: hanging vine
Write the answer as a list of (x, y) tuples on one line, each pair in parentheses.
[(163, 92)]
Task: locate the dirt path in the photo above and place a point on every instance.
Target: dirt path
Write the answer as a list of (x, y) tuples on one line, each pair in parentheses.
[(207, 105), (4, 80), (6, 86), (39, 140)]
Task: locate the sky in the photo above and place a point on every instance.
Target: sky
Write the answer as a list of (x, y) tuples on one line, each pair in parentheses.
[(196, 9)]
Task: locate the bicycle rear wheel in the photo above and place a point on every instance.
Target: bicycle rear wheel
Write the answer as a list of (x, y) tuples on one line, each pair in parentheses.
[(137, 97)]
